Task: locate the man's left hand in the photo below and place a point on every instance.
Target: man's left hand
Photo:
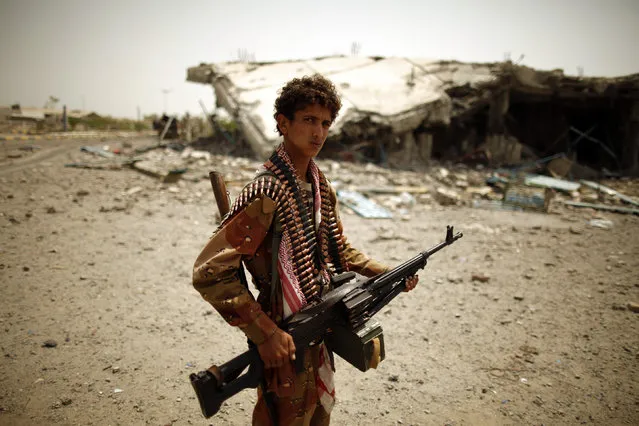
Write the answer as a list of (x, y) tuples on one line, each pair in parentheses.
[(411, 282)]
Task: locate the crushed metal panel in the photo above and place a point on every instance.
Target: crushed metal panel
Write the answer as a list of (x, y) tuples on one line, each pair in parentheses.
[(362, 205), (603, 207), (528, 197), (599, 187), (549, 182), (97, 151)]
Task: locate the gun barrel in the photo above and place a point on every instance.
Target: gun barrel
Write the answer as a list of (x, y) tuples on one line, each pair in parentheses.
[(449, 240), (413, 265)]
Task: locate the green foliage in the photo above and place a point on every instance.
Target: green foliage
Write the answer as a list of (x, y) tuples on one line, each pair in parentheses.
[(228, 125)]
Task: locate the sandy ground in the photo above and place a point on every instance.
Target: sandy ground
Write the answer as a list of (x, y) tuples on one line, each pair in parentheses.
[(547, 339)]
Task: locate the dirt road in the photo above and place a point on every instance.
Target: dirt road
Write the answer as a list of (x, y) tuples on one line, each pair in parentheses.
[(99, 323)]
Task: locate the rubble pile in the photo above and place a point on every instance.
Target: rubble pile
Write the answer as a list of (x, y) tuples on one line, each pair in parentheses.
[(370, 190)]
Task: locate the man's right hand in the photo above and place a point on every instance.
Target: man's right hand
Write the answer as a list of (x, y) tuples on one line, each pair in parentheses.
[(277, 349)]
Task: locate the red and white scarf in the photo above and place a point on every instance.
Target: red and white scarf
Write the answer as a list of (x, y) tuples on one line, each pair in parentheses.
[(292, 296)]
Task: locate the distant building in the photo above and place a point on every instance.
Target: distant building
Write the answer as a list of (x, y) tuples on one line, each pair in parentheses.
[(31, 120)]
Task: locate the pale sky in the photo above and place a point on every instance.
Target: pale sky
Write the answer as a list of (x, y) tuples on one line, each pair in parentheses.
[(112, 56)]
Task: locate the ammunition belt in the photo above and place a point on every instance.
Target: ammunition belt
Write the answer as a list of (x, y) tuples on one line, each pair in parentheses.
[(297, 220), (311, 252)]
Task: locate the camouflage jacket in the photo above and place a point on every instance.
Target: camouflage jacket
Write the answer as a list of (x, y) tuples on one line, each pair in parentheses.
[(246, 236)]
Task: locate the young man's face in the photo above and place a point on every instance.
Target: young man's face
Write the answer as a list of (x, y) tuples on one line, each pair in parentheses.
[(306, 133)]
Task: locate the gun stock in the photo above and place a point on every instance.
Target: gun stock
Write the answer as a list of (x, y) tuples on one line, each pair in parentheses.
[(217, 384), (219, 190)]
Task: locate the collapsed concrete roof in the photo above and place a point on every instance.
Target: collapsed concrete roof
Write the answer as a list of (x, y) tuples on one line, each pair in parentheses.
[(400, 93)]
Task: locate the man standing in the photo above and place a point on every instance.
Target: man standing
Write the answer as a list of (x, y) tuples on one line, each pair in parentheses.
[(285, 227)]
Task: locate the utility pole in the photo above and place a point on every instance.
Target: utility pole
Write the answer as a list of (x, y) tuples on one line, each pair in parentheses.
[(65, 121)]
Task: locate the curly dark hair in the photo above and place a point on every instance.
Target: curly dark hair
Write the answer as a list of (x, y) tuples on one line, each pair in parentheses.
[(299, 93)]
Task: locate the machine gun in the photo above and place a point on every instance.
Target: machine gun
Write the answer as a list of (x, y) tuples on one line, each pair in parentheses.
[(342, 317)]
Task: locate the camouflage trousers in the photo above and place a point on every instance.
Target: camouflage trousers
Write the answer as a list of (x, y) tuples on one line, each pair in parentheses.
[(303, 408)]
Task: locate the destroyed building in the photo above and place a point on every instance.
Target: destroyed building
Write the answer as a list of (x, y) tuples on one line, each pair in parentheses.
[(16, 118), (404, 111)]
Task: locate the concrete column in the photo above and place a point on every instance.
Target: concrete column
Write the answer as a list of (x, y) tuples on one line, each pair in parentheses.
[(514, 151), (498, 108), (503, 149), (65, 120), (409, 147), (425, 147)]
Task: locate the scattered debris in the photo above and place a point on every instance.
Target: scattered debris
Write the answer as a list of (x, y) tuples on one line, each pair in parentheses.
[(528, 198), (480, 277), (454, 279), (446, 197), (120, 207), (610, 191), (481, 228), (529, 350), (404, 199), (393, 189), (191, 154), (495, 205), (153, 169), (603, 207), (482, 191), (387, 191), (601, 223), (102, 165), (577, 230), (362, 205), (29, 148), (549, 182), (559, 167), (134, 190), (96, 150)]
